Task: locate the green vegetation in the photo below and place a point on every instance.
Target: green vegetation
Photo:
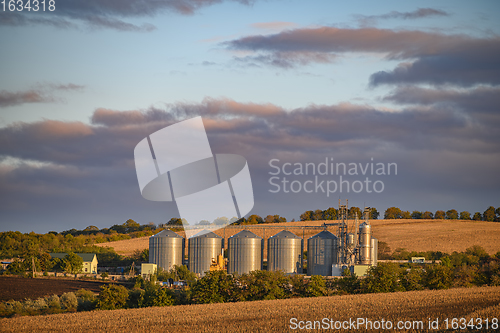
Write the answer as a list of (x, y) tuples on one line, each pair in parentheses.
[(16, 244), (474, 267)]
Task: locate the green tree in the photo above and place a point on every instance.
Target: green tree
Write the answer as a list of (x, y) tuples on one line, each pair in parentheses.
[(489, 214), (412, 279), (383, 278), (348, 283), (352, 212), (254, 219), (174, 221), (392, 213), (112, 297), (464, 215), (318, 215), (131, 226), (221, 221), (497, 211), (477, 216), (374, 214), (316, 286), (330, 214), (72, 263), (306, 216), (214, 287), (440, 215), (264, 285), (416, 214), (438, 277), (406, 215), (452, 214), (427, 215)]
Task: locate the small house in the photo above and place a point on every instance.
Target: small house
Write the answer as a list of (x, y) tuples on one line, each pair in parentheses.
[(89, 261)]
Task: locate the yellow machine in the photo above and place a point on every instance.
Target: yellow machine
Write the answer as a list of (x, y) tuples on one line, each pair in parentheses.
[(219, 264)]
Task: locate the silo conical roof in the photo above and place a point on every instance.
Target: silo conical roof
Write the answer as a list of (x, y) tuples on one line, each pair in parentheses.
[(325, 234), (206, 234), (167, 233), (245, 234), (285, 234)]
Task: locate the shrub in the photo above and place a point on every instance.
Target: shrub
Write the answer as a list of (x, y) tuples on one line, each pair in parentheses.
[(69, 301), (383, 278), (316, 286), (54, 303), (86, 300), (214, 287), (112, 297)]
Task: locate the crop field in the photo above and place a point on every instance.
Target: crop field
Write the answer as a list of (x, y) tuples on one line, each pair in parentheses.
[(275, 316), (17, 288), (413, 235)]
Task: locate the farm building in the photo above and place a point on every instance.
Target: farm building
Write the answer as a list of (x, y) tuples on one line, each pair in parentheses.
[(89, 261)]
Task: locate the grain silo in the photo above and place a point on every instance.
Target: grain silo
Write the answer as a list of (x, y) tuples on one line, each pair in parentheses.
[(365, 244), (246, 251), (374, 251), (322, 253), (202, 248), (284, 252), (166, 249)]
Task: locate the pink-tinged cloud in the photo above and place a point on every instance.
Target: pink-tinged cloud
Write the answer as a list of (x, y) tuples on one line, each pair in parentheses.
[(108, 14), (455, 59), (367, 20), (43, 93), (17, 98)]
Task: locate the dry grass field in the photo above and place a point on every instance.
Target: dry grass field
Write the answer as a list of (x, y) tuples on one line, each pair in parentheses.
[(274, 316), (413, 235)]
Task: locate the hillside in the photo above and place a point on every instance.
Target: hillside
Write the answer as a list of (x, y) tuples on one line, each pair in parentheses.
[(413, 235), (275, 316)]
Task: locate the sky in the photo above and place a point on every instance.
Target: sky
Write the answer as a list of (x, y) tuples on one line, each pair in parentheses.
[(415, 85)]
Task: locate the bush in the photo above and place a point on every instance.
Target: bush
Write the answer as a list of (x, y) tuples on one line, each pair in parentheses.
[(86, 300), (69, 301), (112, 297), (54, 303), (263, 285), (316, 286), (214, 287), (438, 277), (383, 278)]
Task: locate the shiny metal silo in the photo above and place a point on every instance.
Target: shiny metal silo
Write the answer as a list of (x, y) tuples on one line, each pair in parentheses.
[(202, 248), (246, 251), (284, 252), (322, 253), (365, 244), (166, 249), (374, 251)]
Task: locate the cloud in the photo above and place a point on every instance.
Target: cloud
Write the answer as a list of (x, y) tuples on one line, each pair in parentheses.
[(444, 141), (43, 93), (416, 14), (431, 58), (107, 14), (17, 98)]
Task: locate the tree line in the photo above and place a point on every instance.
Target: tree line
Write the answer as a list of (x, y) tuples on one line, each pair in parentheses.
[(473, 267), (490, 214)]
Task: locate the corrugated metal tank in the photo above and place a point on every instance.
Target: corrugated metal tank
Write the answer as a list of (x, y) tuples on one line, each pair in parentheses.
[(365, 244), (322, 253), (284, 252), (246, 251), (166, 249), (202, 248), (374, 251)]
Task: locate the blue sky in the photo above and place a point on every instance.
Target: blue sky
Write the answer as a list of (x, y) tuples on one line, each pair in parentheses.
[(71, 64)]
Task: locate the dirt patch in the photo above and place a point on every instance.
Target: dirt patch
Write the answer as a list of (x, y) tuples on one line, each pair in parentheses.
[(17, 288)]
